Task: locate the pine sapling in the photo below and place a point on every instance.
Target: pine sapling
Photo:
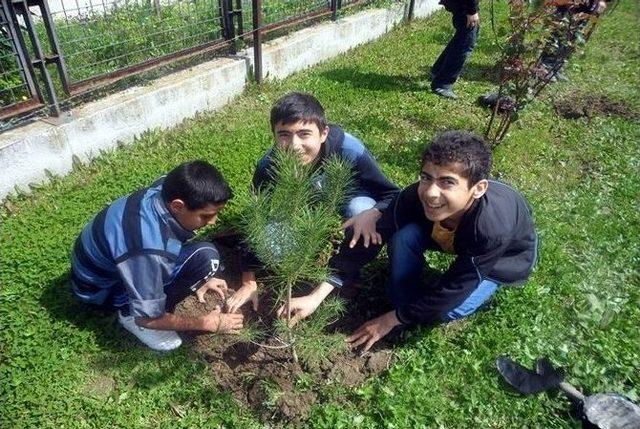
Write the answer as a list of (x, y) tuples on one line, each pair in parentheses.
[(291, 223)]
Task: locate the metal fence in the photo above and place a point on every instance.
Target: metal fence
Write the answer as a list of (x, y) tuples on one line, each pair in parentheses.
[(54, 50)]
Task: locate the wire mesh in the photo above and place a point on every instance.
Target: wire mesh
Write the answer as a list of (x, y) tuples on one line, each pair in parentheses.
[(275, 11), (281, 10), (102, 36), (13, 86)]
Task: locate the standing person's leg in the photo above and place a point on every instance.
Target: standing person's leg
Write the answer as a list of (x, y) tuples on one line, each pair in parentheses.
[(406, 255), (455, 54), (437, 65), (197, 262)]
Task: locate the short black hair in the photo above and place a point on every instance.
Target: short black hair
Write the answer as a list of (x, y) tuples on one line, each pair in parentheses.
[(461, 147), (298, 106), (197, 183)]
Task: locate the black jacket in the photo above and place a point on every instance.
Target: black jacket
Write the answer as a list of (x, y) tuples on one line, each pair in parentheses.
[(469, 7), (495, 240)]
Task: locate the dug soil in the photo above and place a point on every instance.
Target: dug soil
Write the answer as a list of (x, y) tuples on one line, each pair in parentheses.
[(262, 374), (582, 105)]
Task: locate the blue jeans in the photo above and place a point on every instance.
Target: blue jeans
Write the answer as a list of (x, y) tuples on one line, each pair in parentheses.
[(406, 254), (448, 66)]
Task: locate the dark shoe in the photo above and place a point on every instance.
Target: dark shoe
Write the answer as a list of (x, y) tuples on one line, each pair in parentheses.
[(489, 101), (445, 92), (561, 77)]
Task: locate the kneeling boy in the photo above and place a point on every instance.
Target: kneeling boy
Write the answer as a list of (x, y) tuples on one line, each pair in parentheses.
[(298, 123), (134, 256), (454, 208)]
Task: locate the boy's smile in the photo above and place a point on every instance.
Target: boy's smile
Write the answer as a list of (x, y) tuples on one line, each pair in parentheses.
[(445, 194), (303, 137)]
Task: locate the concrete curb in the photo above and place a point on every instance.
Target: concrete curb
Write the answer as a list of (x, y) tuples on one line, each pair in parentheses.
[(27, 151)]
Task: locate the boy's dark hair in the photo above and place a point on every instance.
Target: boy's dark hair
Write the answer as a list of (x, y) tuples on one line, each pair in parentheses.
[(197, 183), (297, 106), (462, 147)]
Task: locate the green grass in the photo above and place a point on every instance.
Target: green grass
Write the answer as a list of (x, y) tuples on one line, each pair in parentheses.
[(63, 367)]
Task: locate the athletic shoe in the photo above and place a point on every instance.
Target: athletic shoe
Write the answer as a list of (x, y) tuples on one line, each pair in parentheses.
[(155, 339), (445, 92)]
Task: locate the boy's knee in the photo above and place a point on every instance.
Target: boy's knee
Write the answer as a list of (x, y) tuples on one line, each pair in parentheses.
[(202, 258), (408, 237), (359, 204)]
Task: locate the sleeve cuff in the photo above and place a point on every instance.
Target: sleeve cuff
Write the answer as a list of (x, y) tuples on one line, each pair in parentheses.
[(335, 281), (149, 308), (401, 318)]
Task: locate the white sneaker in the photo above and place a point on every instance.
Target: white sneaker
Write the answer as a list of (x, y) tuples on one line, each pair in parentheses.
[(154, 339)]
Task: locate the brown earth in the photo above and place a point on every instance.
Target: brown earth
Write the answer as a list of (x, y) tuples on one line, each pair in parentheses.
[(581, 105), (265, 378)]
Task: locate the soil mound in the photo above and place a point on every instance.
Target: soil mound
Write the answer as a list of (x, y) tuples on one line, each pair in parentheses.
[(581, 105), (261, 373)]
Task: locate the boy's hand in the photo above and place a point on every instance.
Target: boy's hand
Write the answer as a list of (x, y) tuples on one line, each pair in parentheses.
[(218, 286), (301, 307), (473, 20), (364, 225), (373, 330), (304, 306), (248, 291), (222, 323)]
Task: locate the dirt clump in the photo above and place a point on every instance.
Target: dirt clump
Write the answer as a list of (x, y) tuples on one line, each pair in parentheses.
[(379, 361), (582, 105)]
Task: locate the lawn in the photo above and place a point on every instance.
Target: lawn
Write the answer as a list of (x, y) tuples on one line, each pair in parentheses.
[(63, 367)]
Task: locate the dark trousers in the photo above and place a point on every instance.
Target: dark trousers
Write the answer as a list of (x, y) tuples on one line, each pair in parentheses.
[(448, 66), (406, 254), (197, 262)]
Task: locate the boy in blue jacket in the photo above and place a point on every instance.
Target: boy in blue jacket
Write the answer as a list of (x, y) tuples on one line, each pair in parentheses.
[(298, 122), (453, 208)]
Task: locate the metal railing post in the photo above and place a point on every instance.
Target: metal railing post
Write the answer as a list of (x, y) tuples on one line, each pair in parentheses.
[(40, 60), (19, 46), (412, 4), (238, 15), (256, 6), (334, 9), (228, 31), (57, 56)]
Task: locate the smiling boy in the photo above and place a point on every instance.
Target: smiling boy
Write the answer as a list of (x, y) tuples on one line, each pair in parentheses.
[(453, 208), (134, 256), (298, 123)]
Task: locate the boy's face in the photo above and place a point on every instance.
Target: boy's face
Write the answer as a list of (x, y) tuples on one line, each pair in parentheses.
[(445, 195), (302, 137), (195, 219)]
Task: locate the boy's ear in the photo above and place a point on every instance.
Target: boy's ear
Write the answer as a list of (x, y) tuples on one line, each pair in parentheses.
[(177, 205), (324, 134), (480, 188)]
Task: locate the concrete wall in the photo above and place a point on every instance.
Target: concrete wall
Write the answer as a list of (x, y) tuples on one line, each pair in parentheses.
[(27, 151)]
